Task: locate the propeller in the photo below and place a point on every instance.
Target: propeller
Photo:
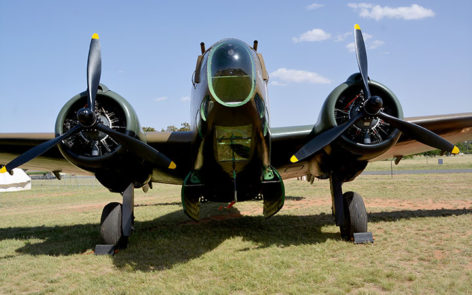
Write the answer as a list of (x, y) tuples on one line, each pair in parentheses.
[(88, 120), (328, 136), (372, 108), (145, 151), (38, 150), (86, 115)]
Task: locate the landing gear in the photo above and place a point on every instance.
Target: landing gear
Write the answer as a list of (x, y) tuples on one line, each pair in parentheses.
[(355, 215), (110, 223), (273, 191), (192, 191), (116, 223), (349, 210)]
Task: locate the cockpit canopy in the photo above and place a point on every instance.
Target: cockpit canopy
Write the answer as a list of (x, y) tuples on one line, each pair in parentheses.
[(231, 72)]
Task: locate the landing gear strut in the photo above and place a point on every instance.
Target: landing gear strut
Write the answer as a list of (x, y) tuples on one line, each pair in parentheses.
[(116, 223), (349, 210)]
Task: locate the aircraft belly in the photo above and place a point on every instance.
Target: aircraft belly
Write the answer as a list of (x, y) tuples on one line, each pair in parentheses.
[(233, 147)]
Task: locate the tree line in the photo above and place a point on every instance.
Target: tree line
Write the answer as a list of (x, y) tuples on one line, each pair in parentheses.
[(171, 128), (465, 148)]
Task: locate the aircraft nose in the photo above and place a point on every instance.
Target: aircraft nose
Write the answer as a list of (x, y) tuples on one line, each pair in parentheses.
[(231, 73)]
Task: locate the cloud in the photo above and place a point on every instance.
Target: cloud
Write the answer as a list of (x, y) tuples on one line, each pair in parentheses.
[(162, 98), (285, 76), (351, 47), (312, 36), (342, 37), (314, 6), (375, 44), (278, 83), (377, 12), (369, 43)]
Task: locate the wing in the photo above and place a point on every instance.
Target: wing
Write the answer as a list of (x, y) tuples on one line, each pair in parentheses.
[(15, 144), (286, 140), (178, 146), (175, 144), (454, 128)]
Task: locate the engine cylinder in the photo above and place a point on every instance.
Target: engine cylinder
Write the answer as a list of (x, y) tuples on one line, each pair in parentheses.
[(95, 151), (369, 136)]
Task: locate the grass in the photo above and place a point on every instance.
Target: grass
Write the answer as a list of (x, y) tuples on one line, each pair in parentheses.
[(421, 225), (425, 163)]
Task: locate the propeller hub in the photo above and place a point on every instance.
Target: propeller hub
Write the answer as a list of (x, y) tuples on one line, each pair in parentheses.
[(373, 105), (86, 117)]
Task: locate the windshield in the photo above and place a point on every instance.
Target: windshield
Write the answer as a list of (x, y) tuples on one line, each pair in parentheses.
[(231, 72)]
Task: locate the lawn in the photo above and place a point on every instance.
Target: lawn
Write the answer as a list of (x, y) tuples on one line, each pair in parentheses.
[(425, 163), (421, 225)]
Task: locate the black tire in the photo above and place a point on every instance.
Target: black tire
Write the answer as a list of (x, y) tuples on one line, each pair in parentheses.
[(355, 215), (110, 224)]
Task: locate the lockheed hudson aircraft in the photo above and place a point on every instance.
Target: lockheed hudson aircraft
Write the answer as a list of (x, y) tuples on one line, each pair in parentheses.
[(231, 154)]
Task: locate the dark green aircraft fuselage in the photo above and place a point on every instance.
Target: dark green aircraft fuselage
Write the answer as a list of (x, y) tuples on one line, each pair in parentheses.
[(228, 109)]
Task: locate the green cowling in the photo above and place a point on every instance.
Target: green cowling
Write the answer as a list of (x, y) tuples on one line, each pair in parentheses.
[(347, 91), (114, 110)]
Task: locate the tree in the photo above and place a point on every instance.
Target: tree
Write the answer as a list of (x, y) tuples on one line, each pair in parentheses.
[(171, 128), (148, 129), (465, 147), (185, 127)]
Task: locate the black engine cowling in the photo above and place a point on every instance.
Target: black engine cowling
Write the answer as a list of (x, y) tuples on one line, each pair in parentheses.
[(369, 136), (96, 151)]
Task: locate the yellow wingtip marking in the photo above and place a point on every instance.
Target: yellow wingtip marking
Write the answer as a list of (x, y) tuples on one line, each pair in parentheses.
[(3, 169), (172, 165), (455, 150), (95, 36), (356, 26), (293, 159)]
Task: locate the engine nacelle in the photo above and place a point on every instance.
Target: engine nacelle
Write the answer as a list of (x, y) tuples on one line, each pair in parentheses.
[(366, 139), (96, 151)]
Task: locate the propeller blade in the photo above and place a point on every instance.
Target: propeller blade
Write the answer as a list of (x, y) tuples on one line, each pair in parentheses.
[(361, 58), (38, 150), (142, 149), (419, 133), (322, 140), (94, 70)]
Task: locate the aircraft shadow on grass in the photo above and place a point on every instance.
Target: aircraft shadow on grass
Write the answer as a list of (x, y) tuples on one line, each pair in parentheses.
[(172, 238)]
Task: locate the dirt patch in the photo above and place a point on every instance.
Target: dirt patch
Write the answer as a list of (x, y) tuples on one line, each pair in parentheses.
[(425, 204), (65, 207), (62, 194), (53, 208), (296, 204), (438, 254), (219, 217)]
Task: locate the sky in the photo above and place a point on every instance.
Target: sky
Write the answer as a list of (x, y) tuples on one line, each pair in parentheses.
[(422, 50)]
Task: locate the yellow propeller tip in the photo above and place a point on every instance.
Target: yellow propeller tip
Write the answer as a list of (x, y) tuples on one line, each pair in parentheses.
[(455, 150), (356, 26), (172, 165), (95, 36), (3, 169), (293, 159)]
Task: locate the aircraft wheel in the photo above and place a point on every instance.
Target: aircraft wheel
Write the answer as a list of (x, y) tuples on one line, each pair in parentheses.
[(355, 215), (110, 224)]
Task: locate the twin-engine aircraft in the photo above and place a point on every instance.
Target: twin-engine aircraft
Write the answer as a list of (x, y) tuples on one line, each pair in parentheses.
[(231, 154)]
